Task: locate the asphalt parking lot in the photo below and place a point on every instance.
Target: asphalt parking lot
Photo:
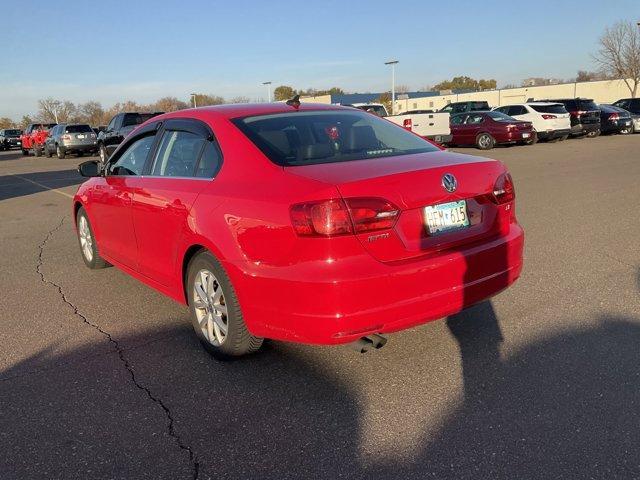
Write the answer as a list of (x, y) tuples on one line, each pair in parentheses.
[(101, 377)]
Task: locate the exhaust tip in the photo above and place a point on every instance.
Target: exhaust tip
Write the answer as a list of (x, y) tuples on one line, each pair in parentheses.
[(370, 342)]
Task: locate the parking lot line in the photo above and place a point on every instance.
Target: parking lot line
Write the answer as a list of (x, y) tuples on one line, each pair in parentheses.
[(43, 186)]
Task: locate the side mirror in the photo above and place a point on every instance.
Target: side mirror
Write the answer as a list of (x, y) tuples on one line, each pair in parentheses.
[(90, 169)]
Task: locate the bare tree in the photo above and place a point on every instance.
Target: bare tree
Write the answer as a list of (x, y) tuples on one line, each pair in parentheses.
[(7, 123), (92, 113), (203, 99), (402, 89), (48, 109), (168, 104), (619, 54), (240, 99)]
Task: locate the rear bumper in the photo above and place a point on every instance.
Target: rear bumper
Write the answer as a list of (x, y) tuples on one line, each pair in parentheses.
[(342, 304), (616, 125), (584, 128), (80, 147), (440, 138), (514, 137), (553, 134)]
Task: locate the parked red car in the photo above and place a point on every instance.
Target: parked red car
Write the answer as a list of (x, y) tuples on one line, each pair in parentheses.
[(306, 223), (34, 137), (486, 129)]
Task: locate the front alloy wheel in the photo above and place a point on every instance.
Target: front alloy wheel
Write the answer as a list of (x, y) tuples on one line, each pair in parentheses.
[(88, 247)]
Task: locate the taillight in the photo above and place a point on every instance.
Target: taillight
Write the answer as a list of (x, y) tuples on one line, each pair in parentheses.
[(332, 217), (549, 117), (407, 124), (614, 116), (503, 191)]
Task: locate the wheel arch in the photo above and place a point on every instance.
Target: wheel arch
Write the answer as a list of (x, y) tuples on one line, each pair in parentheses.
[(189, 254)]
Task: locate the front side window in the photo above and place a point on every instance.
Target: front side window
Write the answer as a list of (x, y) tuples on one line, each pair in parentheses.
[(457, 119), (178, 154), (311, 137), (132, 161)]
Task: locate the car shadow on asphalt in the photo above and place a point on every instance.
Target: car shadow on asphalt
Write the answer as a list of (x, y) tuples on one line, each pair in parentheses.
[(21, 184), (564, 406)]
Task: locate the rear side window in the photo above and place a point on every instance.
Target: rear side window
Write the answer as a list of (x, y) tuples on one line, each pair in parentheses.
[(570, 105), (500, 117), (558, 108), (311, 137), (475, 119), (177, 154), (517, 110), (457, 119), (78, 129), (210, 161)]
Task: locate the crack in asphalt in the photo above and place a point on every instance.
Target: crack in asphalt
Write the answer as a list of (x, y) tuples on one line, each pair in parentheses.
[(119, 350)]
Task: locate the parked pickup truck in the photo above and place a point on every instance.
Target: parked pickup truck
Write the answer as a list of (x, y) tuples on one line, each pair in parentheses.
[(434, 126), (34, 137), (121, 125)]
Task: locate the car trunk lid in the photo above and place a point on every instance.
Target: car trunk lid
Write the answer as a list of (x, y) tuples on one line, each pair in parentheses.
[(411, 183)]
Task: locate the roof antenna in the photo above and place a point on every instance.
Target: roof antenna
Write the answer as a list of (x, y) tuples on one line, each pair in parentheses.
[(294, 102)]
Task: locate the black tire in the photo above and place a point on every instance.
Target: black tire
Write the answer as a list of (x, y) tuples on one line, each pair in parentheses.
[(47, 152), (484, 141), (60, 152), (25, 152), (593, 134), (238, 341), (80, 154), (96, 261), (37, 151), (563, 138)]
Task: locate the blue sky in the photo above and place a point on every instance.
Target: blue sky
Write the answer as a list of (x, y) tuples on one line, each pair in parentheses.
[(143, 50)]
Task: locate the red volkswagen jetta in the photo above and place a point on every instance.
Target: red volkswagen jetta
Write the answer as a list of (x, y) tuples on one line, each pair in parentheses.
[(307, 223)]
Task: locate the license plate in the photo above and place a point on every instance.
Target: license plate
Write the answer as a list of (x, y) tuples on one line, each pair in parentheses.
[(446, 217), (80, 136), (526, 135)]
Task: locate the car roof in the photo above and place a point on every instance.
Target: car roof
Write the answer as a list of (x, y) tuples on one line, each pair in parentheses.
[(230, 111)]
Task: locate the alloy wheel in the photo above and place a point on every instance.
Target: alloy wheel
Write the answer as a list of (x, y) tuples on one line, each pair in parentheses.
[(86, 241), (210, 307)]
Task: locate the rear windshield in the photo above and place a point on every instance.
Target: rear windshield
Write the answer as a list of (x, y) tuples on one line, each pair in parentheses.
[(306, 138), (549, 108), (136, 118), (375, 109), (479, 105), (78, 129), (12, 133), (501, 117), (588, 105)]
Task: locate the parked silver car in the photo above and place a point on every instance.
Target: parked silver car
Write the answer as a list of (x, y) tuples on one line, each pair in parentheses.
[(65, 138)]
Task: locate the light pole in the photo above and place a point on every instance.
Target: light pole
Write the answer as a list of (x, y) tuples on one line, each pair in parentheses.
[(195, 102), (268, 84), (393, 84)]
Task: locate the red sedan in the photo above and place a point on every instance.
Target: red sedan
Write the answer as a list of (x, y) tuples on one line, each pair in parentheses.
[(307, 223), (486, 129)]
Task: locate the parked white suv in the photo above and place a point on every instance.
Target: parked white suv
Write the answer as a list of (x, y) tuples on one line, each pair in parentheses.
[(550, 120)]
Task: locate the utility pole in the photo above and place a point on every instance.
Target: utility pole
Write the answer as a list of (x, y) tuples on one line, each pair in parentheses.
[(393, 84), (268, 84), (195, 102)]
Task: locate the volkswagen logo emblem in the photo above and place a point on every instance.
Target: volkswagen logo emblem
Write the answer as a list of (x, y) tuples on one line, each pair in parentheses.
[(449, 182)]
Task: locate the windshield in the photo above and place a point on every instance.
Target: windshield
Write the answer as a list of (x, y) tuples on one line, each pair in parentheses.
[(78, 129), (306, 138), (557, 108), (131, 119), (501, 117), (375, 109), (12, 133)]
